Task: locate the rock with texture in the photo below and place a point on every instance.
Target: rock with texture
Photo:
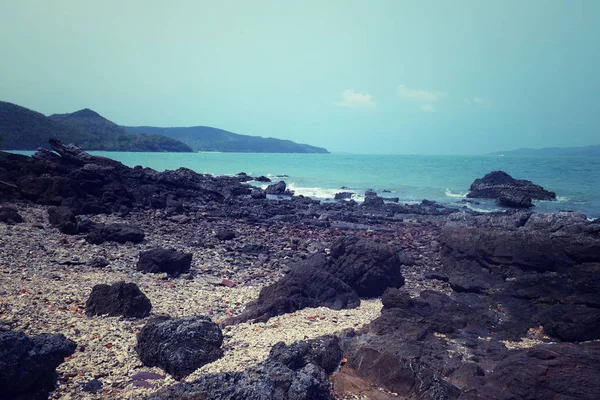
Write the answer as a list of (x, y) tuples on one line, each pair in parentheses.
[(179, 346), (10, 215), (28, 365), (299, 371), (496, 183), (118, 299), (514, 200), (171, 261)]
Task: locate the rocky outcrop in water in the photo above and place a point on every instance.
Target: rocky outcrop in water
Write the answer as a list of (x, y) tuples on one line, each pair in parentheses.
[(118, 299), (299, 371), (507, 190), (179, 346), (28, 365)]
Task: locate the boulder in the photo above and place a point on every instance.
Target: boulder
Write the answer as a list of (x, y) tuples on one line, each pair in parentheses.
[(258, 193), (494, 184), (100, 233), (343, 195), (299, 371), (514, 200), (171, 261), (366, 266), (118, 299), (225, 234), (10, 215), (372, 200), (304, 286), (28, 365), (276, 188), (262, 178), (179, 346), (571, 322), (64, 218)]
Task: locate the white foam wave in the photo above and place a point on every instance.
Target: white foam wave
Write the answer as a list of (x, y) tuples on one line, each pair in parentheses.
[(316, 192), (483, 210), (449, 193), (562, 199)]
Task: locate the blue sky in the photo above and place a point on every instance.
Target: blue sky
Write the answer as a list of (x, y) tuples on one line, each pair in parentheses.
[(427, 77)]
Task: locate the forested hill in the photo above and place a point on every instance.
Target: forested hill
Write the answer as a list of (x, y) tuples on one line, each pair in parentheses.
[(204, 138), (590, 151), (24, 129)]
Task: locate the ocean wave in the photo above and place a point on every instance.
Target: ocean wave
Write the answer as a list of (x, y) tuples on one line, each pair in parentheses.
[(562, 199), (316, 192), (449, 193), (483, 210)]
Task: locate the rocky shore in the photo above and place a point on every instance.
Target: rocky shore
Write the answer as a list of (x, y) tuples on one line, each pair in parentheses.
[(284, 297)]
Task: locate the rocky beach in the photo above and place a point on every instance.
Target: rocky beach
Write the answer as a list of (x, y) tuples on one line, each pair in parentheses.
[(129, 283)]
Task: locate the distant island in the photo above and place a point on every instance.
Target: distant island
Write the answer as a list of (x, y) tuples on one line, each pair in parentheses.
[(588, 151), (205, 138), (25, 129)]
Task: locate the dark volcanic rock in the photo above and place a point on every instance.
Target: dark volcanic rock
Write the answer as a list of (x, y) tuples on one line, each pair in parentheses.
[(179, 346), (305, 286), (343, 195), (558, 371), (494, 184), (225, 234), (571, 322), (118, 299), (258, 193), (28, 365), (64, 218), (514, 200), (93, 386), (368, 267), (100, 233), (372, 200), (291, 372), (262, 179), (171, 261), (10, 215), (278, 188)]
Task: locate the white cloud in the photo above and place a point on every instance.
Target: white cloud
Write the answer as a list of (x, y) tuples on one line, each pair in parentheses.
[(427, 107), (480, 101), (352, 99), (425, 96)]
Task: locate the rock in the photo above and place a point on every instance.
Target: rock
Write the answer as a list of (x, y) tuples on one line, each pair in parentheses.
[(118, 299), (258, 193), (391, 199), (10, 216), (262, 178), (437, 276), (93, 386), (558, 371), (367, 267), (571, 322), (372, 200), (98, 262), (100, 233), (343, 195), (179, 346), (180, 219), (514, 200), (305, 286), (142, 376), (171, 261), (299, 371), (494, 184), (227, 282), (225, 234), (28, 365), (276, 188), (64, 218)]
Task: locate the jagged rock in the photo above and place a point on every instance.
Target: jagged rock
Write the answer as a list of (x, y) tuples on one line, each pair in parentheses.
[(514, 200), (98, 262), (64, 218), (291, 372), (343, 195), (571, 322), (118, 299), (28, 365), (258, 193), (372, 200), (10, 215), (276, 188), (494, 184), (225, 234), (262, 178), (171, 261), (305, 286), (367, 267), (100, 233), (93, 386), (179, 346)]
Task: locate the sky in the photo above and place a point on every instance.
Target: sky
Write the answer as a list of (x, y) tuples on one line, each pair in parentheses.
[(392, 77)]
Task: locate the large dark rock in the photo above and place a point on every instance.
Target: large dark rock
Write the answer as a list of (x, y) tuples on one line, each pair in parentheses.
[(10, 215), (120, 233), (343, 195), (299, 371), (497, 183), (571, 322), (557, 371), (171, 261), (262, 178), (225, 234), (276, 188), (28, 365), (514, 200), (118, 299), (368, 267), (372, 200), (305, 286), (64, 218), (179, 346)]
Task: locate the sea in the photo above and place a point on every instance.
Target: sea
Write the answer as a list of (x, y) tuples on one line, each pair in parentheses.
[(411, 178)]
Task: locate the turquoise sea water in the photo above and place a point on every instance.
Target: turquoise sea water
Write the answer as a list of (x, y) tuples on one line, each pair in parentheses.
[(576, 180)]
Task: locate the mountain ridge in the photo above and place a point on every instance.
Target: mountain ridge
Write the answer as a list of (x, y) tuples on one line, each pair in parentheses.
[(589, 151)]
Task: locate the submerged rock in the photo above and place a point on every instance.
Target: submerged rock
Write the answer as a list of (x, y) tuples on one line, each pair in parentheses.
[(28, 365), (118, 299), (179, 346)]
